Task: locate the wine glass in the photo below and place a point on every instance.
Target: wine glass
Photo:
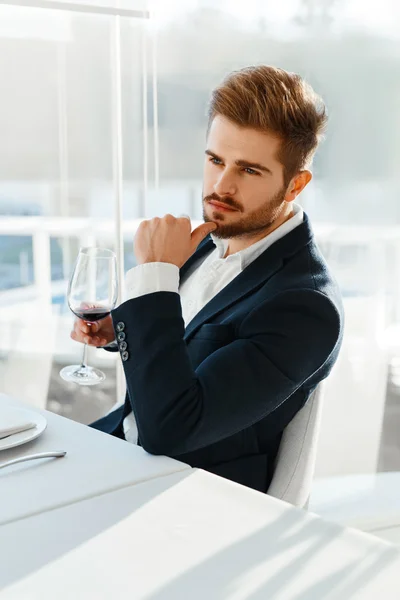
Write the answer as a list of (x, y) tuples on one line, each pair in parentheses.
[(92, 294)]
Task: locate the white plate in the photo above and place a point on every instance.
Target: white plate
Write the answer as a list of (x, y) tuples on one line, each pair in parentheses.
[(25, 436)]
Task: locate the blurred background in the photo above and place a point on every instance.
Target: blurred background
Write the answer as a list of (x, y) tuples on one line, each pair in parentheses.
[(102, 123)]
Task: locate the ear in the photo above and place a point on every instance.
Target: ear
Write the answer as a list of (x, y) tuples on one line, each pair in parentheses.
[(297, 185)]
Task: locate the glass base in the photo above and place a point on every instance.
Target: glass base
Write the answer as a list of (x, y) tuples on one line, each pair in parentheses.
[(82, 375)]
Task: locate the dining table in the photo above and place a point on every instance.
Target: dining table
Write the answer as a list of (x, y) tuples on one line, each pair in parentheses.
[(171, 533), (94, 463)]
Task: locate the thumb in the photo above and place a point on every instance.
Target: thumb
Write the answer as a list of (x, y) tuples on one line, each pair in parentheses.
[(201, 232)]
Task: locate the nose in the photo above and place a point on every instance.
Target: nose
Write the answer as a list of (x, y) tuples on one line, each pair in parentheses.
[(225, 184)]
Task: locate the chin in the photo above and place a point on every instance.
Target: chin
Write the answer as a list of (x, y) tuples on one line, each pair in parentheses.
[(214, 216)]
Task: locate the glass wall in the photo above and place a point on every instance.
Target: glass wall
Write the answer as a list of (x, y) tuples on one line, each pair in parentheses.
[(62, 74)]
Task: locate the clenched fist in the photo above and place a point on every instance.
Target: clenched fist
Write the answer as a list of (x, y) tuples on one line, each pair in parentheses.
[(168, 240)]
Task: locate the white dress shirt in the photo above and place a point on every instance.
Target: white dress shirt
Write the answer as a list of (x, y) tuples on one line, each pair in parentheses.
[(203, 281)]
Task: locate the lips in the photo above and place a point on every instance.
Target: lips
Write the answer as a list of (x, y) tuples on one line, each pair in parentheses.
[(221, 205)]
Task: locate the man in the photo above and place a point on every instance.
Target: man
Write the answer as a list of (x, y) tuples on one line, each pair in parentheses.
[(222, 345)]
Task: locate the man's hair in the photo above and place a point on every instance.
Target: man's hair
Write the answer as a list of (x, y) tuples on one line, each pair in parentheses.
[(274, 101)]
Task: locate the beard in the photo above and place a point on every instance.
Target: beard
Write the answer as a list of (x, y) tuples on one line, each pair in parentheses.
[(261, 219)]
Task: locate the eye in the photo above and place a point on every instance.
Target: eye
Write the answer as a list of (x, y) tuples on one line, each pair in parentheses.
[(251, 171), (215, 161)]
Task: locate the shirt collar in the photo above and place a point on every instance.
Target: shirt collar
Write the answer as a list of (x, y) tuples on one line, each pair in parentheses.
[(246, 256)]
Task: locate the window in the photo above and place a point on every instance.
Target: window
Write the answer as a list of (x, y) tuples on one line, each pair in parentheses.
[(58, 183)]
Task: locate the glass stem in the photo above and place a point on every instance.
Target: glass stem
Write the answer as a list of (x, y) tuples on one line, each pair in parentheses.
[(83, 362)]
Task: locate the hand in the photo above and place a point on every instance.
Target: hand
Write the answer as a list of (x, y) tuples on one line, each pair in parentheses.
[(168, 240), (98, 333)]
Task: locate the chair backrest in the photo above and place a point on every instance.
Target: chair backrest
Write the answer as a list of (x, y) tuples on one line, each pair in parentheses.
[(295, 462)]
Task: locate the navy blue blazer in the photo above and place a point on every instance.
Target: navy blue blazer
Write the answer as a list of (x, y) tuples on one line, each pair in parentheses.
[(218, 394)]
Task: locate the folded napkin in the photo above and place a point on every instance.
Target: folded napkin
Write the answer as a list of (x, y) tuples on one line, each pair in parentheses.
[(13, 421)]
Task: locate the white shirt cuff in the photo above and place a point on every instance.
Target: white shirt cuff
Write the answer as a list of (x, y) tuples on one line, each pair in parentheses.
[(150, 278)]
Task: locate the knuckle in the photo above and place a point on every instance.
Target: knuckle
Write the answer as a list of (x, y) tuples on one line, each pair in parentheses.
[(143, 225)]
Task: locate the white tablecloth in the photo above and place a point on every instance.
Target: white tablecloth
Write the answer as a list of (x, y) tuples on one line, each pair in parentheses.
[(370, 502), (95, 463), (191, 536)]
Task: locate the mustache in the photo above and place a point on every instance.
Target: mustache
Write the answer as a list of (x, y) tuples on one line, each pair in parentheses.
[(225, 200)]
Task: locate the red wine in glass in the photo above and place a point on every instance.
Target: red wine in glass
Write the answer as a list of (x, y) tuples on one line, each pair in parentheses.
[(92, 295), (92, 314)]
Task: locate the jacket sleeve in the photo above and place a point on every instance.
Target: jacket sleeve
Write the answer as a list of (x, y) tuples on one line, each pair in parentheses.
[(146, 279), (280, 344)]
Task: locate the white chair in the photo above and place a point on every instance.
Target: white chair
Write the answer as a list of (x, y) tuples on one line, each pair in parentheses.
[(296, 457)]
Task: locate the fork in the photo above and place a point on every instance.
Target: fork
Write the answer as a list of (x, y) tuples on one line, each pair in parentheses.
[(32, 457)]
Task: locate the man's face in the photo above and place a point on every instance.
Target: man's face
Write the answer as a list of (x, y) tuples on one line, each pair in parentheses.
[(242, 173)]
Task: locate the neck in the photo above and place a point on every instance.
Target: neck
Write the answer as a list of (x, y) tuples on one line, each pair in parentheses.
[(245, 241)]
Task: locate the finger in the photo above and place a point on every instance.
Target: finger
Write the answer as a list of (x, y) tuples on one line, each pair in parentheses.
[(81, 333), (200, 233), (185, 219), (99, 341), (78, 337), (94, 326), (77, 330), (89, 340), (89, 326), (81, 326)]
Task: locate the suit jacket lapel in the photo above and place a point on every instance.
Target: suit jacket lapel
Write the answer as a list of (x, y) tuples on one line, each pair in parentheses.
[(205, 246), (251, 278)]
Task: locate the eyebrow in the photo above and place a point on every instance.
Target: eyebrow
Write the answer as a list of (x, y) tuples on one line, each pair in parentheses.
[(243, 163)]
